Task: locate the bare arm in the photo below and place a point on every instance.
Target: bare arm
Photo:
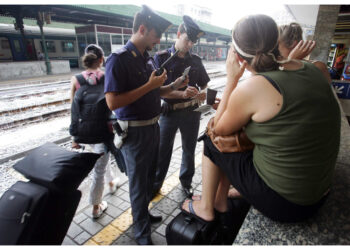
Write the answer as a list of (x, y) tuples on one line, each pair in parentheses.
[(117, 100), (73, 87), (238, 112), (234, 73)]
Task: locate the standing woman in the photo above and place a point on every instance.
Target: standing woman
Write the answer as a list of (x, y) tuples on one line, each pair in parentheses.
[(289, 173), (92, 61)]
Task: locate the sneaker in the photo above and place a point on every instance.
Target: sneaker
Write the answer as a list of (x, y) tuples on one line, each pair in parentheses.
[(115, 185), (102, 207)]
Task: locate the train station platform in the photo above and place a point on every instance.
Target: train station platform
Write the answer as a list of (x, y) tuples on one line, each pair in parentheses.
[(329, 226), (115, 226)]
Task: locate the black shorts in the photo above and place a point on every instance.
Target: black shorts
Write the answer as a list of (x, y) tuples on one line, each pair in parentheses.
[(239, 169)]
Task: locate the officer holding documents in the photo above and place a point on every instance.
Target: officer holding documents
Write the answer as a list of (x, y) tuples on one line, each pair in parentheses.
[(133, 90), (178, 107)]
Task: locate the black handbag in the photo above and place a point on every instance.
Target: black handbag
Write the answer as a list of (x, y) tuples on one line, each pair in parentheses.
[(187, 229)]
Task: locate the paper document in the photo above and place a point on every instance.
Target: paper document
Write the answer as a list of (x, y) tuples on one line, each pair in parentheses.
[(204, 108)]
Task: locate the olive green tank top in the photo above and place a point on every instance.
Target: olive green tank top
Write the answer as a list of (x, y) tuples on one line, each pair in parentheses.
[(295, 151)]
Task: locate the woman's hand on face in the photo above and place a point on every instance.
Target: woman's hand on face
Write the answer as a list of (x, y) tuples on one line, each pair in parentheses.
[(233, 68), (303, 49)]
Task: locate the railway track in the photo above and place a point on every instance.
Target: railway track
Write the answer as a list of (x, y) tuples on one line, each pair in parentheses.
[(63, 111), (7, 94), (41, 117), (22, 109), (15, 117)]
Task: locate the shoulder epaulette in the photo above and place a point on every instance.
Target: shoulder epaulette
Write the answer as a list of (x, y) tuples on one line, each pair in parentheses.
[(120, 51)]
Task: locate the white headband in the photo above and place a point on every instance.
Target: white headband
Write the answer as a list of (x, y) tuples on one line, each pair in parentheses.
[(241, 51), (252, 56)]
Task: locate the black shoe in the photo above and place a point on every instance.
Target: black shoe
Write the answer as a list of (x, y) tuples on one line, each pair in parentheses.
[(143, 241), (188, 191), (155, 218)]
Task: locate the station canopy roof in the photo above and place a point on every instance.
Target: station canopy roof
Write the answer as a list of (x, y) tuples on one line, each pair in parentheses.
[(111, 15)]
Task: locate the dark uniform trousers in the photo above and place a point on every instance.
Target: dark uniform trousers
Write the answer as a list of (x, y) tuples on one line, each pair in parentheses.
[(187, 121), (140, 151)]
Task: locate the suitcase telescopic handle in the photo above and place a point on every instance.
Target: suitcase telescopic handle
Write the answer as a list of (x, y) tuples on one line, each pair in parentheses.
[(24, 215)]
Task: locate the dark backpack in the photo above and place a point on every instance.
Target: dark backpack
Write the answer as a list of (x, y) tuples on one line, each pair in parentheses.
[(90, 113)]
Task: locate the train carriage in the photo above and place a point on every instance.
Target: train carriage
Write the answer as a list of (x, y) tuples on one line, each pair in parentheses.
[(61, 44)]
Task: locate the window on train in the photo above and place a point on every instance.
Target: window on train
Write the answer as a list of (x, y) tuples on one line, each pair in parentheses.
[(67, 46), (117, 39), (50, 46), (17, 46), (5, 44)]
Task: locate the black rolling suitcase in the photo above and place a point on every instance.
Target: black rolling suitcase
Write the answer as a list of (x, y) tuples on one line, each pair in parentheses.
[(31, 214), (186, 229), (40, 212), (57, 217), (20, 209)]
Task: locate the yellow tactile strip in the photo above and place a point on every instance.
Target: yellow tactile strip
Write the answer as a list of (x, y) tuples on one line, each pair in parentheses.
[(116, 228)]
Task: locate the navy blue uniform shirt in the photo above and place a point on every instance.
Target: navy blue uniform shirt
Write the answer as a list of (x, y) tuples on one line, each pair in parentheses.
[(127, 69), (197, 74)]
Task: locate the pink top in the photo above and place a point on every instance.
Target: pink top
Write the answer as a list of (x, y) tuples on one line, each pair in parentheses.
[(92, 74)]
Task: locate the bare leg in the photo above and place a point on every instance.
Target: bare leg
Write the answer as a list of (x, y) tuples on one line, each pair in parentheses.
[(221, 194), (211, 175), (233, 193)]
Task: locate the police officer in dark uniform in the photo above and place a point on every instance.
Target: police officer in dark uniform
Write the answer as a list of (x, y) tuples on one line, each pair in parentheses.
[(178, 106), (133, 91)]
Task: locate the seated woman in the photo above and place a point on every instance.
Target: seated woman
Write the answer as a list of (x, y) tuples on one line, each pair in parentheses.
[(291, 45), (289, 173)]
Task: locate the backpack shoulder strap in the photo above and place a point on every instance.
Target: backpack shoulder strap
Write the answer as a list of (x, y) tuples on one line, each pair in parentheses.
[(81, 79), (101, 80)]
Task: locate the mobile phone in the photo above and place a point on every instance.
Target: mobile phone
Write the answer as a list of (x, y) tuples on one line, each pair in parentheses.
[(185, 73)]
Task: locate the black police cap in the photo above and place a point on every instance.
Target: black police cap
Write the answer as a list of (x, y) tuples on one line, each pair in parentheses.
[(192, 29), (159, 23)]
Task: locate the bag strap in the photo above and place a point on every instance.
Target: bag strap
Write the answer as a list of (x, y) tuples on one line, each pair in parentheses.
[(81, 79), (101, 80)]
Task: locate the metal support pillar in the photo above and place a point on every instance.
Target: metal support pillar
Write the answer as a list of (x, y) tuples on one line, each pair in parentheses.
[(40, 22)]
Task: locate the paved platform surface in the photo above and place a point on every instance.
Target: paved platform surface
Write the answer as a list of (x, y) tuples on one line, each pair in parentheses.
[(115, 226)]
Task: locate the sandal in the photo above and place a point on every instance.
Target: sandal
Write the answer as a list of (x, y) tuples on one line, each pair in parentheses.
[(101, 208), (192, 213)]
